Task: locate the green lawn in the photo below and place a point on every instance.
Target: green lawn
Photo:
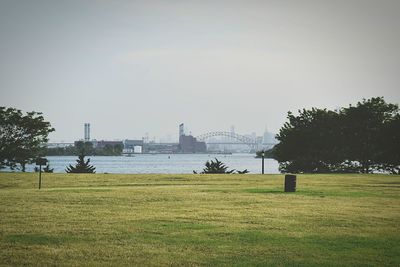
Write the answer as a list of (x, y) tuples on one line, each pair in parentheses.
[(199, 220)]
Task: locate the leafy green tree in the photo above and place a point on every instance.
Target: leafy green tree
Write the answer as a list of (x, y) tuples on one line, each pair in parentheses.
[(360, 138), (22, 137), (309, 142), (389, 158), (363, 127), (81, 166)]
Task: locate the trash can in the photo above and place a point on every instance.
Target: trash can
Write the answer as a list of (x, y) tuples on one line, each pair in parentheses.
[(290, 183)]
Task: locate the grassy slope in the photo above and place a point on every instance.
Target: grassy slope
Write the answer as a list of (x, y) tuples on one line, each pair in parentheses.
[(154, 220)]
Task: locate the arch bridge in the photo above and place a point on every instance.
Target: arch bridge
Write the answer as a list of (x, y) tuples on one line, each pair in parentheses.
[(240, 139)]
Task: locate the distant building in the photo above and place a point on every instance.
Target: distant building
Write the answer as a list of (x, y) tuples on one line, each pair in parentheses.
[(189, 144), (181, 129), (133, 146), (132, 143), (87, 132)]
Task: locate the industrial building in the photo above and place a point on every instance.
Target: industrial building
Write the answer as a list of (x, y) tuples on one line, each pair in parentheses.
[(133, 147), (87, 132), (189, 144)]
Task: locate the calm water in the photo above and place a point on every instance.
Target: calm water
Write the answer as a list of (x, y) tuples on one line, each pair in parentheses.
[(163, 163)]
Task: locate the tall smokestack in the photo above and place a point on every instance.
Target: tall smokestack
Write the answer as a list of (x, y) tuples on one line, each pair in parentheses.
[(87, 132), (181, 130)]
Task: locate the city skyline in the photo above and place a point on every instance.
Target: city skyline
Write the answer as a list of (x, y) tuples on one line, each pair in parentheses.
[(131, 67), (87, 135)]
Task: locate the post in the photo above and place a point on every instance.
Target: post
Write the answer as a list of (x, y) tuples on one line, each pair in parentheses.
[(290, 183), (40, 176), (262, 162), (40, 162)]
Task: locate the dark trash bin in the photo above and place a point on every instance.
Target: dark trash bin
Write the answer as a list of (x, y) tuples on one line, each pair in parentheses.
[(290, 183)]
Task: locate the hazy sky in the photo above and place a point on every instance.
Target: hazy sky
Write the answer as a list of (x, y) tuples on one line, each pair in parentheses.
[(131, 67)]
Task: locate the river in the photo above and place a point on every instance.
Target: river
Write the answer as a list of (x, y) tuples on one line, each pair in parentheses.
[(163, 163)]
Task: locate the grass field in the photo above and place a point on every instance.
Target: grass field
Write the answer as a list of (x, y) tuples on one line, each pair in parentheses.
[(199, 220)]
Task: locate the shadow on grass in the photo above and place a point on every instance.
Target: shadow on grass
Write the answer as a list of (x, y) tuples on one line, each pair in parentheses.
[(317, 193), (279, 191), (34, 239), (46, 239)]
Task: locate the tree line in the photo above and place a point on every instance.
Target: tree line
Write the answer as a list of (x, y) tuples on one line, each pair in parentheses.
[(87, 147), (363, 138)]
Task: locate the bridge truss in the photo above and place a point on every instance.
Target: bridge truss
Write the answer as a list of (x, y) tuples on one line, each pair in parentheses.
[(241, 139)]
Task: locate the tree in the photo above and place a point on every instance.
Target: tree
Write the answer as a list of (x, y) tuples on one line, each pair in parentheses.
[(110, 150), (389, 158), (309, 142), (217, 167), (81, 166), (364, 127), (360, 138), (22, 137), (82, 147)]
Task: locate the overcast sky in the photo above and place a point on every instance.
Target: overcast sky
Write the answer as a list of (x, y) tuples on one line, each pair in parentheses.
[(131, 67)]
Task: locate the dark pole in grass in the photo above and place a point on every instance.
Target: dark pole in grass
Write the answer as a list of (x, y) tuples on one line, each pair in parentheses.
[(40, 176), (262, 161), (40, 162)]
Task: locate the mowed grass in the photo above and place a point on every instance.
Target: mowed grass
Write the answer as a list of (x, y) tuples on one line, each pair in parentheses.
[(199, 220)]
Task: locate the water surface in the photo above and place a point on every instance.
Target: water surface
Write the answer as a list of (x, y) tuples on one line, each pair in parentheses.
[(164, 163)]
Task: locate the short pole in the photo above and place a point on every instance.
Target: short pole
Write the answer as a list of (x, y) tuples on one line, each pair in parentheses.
[(40, 176), (262, 161), (40, 162), (290, 183)]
